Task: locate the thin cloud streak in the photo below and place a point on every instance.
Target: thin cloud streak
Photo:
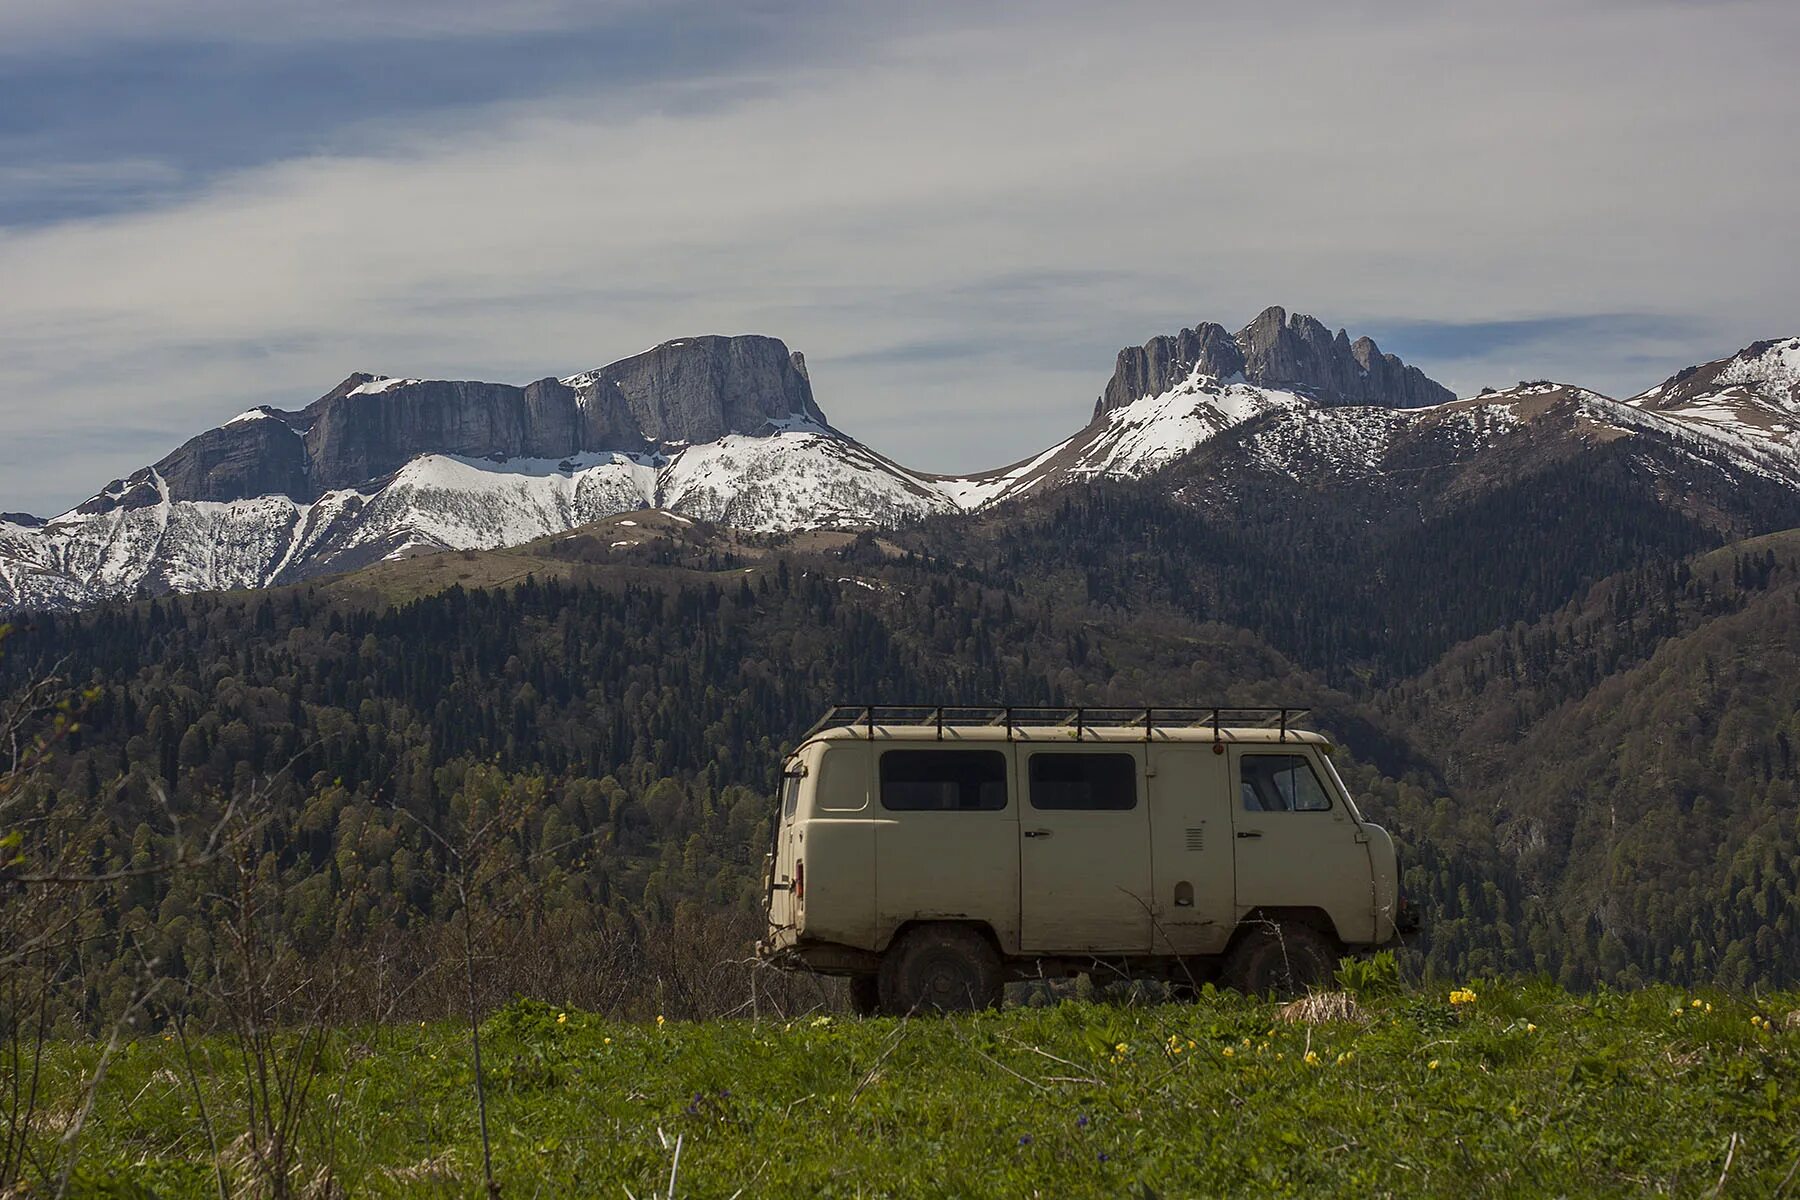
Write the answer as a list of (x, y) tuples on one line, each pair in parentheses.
[(1024, 194)]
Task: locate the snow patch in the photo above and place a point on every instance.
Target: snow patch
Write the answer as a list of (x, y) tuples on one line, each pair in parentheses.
[(376, 387)]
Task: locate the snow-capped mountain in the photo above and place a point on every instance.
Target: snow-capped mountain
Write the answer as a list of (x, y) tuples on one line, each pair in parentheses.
[(722, 429), (727, 430)]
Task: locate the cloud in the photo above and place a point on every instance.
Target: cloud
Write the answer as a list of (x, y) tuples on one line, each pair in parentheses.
[(960, 214)]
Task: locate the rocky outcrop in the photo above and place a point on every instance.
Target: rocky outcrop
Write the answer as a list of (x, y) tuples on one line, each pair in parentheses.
[(1297, 354), (1162, 362), (684, 392), (1302, 354), (700, 389)]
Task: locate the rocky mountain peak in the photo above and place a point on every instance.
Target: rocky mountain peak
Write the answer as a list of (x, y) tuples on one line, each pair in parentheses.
[(1296, 353), (683, 392)]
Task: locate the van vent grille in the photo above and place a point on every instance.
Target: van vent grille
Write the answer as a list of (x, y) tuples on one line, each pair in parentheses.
[(1196, 839)]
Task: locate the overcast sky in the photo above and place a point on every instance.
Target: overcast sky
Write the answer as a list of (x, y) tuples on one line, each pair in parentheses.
[(958, 211)]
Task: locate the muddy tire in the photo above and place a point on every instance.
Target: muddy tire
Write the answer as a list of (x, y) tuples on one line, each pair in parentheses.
[(1284, 960), (865, 995), (939, 968)]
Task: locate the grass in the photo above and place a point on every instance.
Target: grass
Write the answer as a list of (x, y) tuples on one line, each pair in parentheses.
[(1522, 1090)]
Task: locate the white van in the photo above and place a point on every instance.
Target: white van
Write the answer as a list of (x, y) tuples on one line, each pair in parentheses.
[(931, 853)]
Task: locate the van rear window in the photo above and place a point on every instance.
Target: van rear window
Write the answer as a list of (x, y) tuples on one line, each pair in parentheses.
[(943, 780), (1106, 782)]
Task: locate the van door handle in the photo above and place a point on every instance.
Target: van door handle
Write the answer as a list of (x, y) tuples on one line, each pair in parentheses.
[(1247, 833), (1038, 832)]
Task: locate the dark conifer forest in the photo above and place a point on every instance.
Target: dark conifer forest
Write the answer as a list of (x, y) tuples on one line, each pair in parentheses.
[(1589, 750)]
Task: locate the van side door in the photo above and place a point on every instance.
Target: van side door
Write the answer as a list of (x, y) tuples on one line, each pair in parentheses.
[(1298, 845), (1191, 864), (1084, 849)]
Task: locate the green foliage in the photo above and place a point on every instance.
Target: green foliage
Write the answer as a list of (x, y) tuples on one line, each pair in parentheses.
[(1525, 1090), (1370, 977)]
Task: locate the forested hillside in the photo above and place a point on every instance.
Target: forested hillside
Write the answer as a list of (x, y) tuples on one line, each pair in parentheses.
[(1603, 789)]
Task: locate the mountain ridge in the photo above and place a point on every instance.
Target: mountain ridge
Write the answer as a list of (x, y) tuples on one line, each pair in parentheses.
[(727, 429)]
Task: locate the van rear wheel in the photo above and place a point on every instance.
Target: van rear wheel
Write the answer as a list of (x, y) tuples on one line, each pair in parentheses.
[(940, 968), (1284, 959), (865, 995)]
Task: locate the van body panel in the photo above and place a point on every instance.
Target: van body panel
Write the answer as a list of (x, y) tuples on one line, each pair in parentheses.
[(1191, 855), (1084, 874), (840, 900), (946, 866), (1299, 858)]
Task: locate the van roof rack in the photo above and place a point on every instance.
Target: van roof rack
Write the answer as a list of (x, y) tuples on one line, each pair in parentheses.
[(1081, 717)]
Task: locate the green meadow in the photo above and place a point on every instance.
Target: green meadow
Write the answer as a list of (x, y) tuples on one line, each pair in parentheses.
[(1496, 1089)]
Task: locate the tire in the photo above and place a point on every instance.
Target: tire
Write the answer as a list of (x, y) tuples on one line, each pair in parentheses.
[(939, 968), (1285, 961), (865, 995)]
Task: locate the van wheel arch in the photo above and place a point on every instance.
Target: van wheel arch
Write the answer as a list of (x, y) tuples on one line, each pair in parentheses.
[(1260, 920), (981, 927)]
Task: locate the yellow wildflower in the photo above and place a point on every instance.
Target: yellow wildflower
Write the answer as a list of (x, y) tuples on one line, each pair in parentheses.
[(1312, 1058), (606, 1041), (1462, 996), (659, 1020), (1530, 1028), (562, 1018), (1229, 1052), (1709, 1006), (1432, 1065), (1694, 1004), (1121, 1048), (1344, 1058)]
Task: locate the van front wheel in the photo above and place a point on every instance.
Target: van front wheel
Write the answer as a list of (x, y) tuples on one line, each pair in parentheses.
[(1285, 960), (940, 968)]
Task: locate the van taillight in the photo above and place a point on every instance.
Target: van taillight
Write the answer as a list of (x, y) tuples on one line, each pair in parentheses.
[(799, 880)]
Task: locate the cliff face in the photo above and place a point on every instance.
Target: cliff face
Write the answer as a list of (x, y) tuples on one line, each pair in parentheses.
[(1297, 354), (680, 393)]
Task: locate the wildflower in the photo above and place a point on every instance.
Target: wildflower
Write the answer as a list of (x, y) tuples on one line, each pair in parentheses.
[(1432, 1065), (562, 1018), (606, 1041), (1081, 1122), (1024, 1139), (1709, 1006), (1694, 1004), (1229, 1052), (1530, 1028), (1344, 1058), (1103, 1156), (659, 1020), (818, 1021), (1312, 1058), (1462, 996)]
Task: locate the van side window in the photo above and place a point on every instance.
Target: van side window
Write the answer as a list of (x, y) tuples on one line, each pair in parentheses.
[(1280, 783), (1106, 782), (943, 780)]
